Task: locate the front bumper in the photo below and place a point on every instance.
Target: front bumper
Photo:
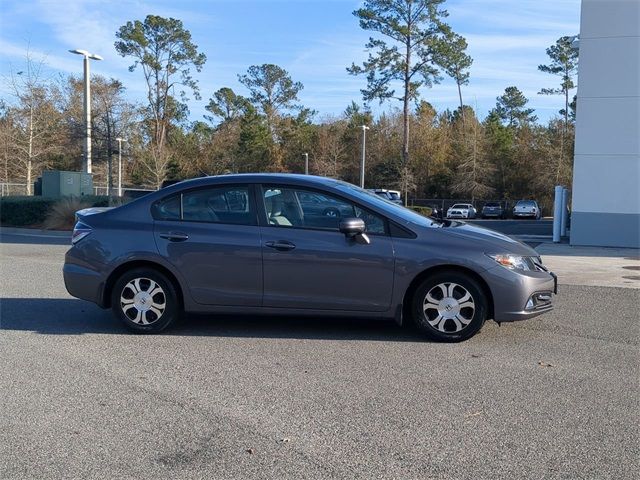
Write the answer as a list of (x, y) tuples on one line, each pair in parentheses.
[(520, 295)]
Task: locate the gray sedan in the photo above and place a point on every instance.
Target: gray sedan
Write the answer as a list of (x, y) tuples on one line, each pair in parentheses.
[(251, 244)]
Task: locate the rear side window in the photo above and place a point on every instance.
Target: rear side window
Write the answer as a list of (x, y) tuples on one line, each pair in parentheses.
[(225, 204), (167, 209)]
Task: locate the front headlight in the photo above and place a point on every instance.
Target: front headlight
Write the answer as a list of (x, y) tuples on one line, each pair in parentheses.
[(514, 262)]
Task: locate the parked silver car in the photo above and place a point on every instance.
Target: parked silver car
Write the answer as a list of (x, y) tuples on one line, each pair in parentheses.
[(527, 209), (256, 243), (462, 210)]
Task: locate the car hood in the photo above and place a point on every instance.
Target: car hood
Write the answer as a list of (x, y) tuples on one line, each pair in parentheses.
[(492, 241)]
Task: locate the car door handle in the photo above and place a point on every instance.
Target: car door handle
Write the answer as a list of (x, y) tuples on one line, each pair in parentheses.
[(280, 245), (174, 236)]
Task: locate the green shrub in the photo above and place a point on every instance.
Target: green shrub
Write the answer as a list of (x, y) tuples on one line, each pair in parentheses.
[(426, 211), (32, 211)]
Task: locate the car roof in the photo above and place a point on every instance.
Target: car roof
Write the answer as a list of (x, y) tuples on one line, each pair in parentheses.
[(298, 179)]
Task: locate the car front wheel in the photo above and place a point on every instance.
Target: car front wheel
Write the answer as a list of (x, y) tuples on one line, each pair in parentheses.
[(145, 301), (449, 307)]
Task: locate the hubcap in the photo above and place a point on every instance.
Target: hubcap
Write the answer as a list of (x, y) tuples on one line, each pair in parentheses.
[(449, 307), (143, 301)]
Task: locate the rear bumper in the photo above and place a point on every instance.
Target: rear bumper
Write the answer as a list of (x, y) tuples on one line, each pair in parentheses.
[(84, 283), (520, 295), (525, 214)]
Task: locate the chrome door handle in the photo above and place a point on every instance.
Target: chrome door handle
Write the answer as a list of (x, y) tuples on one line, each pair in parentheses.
[(280, 245), (174, 236)]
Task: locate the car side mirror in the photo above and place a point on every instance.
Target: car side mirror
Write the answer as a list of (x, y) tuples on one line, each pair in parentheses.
[(354, 228)]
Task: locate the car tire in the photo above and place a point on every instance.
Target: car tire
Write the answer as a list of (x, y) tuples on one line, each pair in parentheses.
[(134, 302), (430, 310)]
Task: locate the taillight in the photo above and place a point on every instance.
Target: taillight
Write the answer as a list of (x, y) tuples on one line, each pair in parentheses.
[(80, 231)]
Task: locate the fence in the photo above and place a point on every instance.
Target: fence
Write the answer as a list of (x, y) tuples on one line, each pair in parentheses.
[(444, 204), (7, 189)]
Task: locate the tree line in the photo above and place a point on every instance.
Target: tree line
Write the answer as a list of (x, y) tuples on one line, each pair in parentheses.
[(411, 147)]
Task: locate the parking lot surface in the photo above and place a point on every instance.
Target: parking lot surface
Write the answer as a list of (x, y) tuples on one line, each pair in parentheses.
[(240, 397)]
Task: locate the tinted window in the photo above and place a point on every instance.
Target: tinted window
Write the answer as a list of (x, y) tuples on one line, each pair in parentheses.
[(526, 203), (290, 208), (225, 204), (492, 204), (167, 209), (393, 209), (228, 204)]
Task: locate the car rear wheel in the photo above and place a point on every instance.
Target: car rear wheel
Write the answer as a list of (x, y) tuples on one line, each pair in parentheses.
[(145, 301), (449, 307)]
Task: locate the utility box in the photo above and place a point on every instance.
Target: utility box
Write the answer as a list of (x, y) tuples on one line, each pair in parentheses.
[(56, 183)]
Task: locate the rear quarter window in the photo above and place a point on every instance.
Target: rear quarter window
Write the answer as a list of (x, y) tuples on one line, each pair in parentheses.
[(167, 208)]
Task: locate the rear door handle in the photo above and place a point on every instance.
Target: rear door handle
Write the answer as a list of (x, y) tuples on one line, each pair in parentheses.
[(280, 245), (174, 236)]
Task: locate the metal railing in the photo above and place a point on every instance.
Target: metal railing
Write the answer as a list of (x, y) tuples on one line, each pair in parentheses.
[(7, 188)]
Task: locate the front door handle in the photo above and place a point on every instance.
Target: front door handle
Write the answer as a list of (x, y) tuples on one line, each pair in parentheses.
[(174, 236), (280, 245)]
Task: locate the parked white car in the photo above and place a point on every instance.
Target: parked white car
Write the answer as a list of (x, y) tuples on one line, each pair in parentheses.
[(391, 195), (462, 210), (527, 209)]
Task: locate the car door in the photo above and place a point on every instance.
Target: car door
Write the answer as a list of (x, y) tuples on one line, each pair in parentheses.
[(309, 264), (211, 236)]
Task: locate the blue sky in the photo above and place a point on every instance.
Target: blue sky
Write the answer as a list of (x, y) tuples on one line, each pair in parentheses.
[(314, 40)]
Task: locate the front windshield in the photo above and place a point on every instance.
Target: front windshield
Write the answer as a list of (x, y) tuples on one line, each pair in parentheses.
[(393, 208), (460, 205)]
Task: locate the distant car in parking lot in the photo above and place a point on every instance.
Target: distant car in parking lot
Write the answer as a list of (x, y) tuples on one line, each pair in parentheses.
[(260, 243), (527, 209), (493, 210), (462, 210), (391, 195)]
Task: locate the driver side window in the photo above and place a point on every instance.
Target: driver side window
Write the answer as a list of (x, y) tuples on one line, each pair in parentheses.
[(289, 207)]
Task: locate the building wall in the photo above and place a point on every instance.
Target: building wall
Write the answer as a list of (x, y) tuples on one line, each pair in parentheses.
[(606, 178)]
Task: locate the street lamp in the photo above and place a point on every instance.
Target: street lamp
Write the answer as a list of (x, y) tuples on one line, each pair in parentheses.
[(364, 139), (120, 140), (306, 163), (87, 106)]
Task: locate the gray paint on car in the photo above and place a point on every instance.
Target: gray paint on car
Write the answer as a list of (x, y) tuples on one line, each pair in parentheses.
[(229, 268)]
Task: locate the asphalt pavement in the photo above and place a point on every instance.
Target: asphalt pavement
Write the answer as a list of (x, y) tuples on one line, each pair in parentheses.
[(272, 397)]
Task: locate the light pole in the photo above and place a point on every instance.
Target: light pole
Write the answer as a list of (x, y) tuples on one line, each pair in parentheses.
[(87, 106), (306, 163), (364, 140), (120, 140)]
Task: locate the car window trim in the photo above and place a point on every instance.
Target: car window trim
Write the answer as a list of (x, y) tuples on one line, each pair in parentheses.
[(263, 209)]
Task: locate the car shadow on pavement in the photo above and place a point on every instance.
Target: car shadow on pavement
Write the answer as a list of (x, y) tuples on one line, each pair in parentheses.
[(57, 316)]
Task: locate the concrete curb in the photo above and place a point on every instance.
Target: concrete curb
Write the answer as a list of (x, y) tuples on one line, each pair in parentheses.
[(34, 232)]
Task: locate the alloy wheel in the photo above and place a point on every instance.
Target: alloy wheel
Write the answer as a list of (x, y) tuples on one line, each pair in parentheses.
[(143, 301), (449, 307)]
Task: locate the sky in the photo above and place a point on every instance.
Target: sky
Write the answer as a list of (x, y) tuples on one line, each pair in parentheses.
[(313, 40)]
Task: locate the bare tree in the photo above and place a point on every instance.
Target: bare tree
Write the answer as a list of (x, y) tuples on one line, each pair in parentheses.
[(33, 120)]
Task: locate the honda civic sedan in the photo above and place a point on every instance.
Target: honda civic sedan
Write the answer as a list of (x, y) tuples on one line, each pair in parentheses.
[(254, 244)]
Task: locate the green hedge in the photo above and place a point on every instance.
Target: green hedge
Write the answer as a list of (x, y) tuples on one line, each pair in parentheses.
[(22, 211), (426, 211)]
